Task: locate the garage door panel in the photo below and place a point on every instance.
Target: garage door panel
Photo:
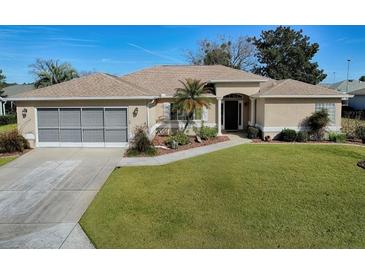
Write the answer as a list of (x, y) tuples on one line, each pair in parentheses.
[(70, 135), (93, 135), (47, 117), (115, 135), (70, 117), (48, 135), (115, 117), (92, 117)]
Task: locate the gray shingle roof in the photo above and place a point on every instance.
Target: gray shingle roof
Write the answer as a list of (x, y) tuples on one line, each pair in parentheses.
[(352, 85), (16, 89), (358, 92)]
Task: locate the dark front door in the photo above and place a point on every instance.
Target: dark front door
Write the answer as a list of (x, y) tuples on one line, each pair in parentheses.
[(231, 115)]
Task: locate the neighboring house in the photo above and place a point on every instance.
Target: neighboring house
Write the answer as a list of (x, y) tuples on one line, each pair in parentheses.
[(358, 101), (11, 91), (347, 86), (103, 110)]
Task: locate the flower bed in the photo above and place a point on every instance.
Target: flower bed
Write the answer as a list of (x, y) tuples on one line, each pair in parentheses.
[(352, 142), (159, 142)]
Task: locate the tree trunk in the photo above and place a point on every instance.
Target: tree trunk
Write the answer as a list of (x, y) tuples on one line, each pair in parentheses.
[(188, 118)]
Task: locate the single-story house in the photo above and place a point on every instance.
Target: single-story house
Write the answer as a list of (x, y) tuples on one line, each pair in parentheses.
[(358, 101), (11, 91), (103, 110)]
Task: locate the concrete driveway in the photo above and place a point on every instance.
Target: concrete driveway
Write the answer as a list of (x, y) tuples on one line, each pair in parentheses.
[(44, 193)]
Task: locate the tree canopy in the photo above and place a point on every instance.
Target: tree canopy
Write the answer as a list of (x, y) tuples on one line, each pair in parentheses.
[(50, 72), (362, 78), (286, 53), (238, 54), (2, 82)]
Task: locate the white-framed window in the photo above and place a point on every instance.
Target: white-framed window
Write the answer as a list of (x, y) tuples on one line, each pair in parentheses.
[(331, 109), (176, 115)]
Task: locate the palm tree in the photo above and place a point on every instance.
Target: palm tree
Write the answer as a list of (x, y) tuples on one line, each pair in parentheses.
[(189, 98), (50, 72)]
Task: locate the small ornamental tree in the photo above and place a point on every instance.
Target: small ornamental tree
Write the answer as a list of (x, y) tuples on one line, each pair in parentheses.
[(317, 123)]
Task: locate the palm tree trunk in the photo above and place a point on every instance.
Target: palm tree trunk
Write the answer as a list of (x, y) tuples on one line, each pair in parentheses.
[(187, 122)]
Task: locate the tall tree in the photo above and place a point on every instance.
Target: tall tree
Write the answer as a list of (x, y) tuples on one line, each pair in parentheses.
[(190, 99), (286, 53), (362, 78), (2, 82), (238, 54), (50, 72)]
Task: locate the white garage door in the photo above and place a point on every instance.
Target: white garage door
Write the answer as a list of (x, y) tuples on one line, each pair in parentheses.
[(86, 127)]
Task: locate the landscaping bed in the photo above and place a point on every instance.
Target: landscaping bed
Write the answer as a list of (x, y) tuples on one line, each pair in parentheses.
[(160, 141), (348, 141)]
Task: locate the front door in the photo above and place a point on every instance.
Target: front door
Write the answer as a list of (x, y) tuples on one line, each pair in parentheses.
[(231, 115)]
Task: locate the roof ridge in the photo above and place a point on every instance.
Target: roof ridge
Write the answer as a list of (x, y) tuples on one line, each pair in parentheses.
[(117, 79)]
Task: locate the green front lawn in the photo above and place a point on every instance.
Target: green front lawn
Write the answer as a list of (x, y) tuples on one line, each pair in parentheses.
[(5, 160), (249, 196), (7, 128)]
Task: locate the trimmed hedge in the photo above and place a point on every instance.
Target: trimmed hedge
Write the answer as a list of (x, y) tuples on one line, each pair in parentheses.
[(337, 137), (7, 119), (288, 135), (180, 138), (302, 136), (253, 132), (206, 133)]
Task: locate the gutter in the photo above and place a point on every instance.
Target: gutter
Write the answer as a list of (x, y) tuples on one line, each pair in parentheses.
[(80, 98), (237, 81), (342, 96)]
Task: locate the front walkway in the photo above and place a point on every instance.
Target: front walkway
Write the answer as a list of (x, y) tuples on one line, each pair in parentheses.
[(235, 139), (44, 193)]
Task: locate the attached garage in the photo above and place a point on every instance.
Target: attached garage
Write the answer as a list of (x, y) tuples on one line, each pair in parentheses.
[(82, 127)]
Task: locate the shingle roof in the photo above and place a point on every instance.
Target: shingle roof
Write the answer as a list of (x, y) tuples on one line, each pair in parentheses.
[(165, 79), (358, 92), (94, 85), (16, 89), (291, 87), (352, 85)]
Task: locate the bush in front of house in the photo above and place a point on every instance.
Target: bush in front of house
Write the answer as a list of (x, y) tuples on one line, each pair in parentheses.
[(302, 136), (12, 142), (179, 138), (7, 119), (317, 123), (141, 144), (337, 137), (360, 133), (288, 135), (253, 132), (205, 132)]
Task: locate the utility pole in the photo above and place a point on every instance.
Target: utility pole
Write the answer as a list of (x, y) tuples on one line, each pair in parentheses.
[(348, 69), (334, 77)]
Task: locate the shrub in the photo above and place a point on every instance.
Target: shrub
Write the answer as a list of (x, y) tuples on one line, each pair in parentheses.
[(180, 138), (205, 132), (7, 119), (337, 137), (302, 136), (12, 142), (360, 133), (288, 135), (140, 142), (317, 123), (253, 132)]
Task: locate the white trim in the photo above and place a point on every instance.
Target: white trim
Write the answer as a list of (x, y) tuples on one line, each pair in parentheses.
[(278, 128), (80, 98), (300, 96)]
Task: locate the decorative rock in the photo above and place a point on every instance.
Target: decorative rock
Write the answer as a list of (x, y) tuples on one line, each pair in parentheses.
[(174, 144), (198, 139), (361, 164)]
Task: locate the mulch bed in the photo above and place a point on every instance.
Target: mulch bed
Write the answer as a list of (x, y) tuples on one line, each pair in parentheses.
[(160, 141)]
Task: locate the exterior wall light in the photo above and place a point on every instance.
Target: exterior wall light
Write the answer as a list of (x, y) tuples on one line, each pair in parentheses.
[(135, 112), (24, 112)]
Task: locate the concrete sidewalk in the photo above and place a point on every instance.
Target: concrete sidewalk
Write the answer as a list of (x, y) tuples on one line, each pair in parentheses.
[(185, 154)]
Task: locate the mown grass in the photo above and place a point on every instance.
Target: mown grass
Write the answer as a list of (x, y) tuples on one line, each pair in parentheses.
[(7, 128), (5, 160), (249, 196)]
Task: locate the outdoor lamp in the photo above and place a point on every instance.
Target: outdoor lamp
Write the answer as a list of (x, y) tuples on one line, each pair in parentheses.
[(135, 112), (24, 112)]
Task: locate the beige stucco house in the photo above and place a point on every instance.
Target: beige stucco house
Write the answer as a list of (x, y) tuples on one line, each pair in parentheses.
[(103, 110)]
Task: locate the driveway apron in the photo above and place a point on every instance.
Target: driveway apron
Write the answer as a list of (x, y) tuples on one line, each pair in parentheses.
[(44, 193)]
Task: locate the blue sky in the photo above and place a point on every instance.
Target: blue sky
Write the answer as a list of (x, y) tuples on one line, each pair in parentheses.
[(122, 49)]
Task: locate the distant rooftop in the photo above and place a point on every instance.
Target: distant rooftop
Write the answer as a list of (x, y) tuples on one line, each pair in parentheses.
[(342, 85), (13, 90)]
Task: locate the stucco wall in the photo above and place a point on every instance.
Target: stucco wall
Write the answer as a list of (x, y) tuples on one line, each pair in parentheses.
[(291, 113), (27, 125), (357, 102), (260, 111), (223, 89)]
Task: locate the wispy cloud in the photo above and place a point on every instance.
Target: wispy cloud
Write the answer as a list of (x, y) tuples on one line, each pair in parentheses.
[(114, 61), (350, 41), (154, 53), (70, 39)]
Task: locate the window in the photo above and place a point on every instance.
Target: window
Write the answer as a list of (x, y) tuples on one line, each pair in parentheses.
[(180, 115), (331, 109), (239, 113)]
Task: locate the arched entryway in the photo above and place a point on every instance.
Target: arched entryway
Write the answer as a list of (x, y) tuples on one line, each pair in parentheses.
[(235, 112)]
